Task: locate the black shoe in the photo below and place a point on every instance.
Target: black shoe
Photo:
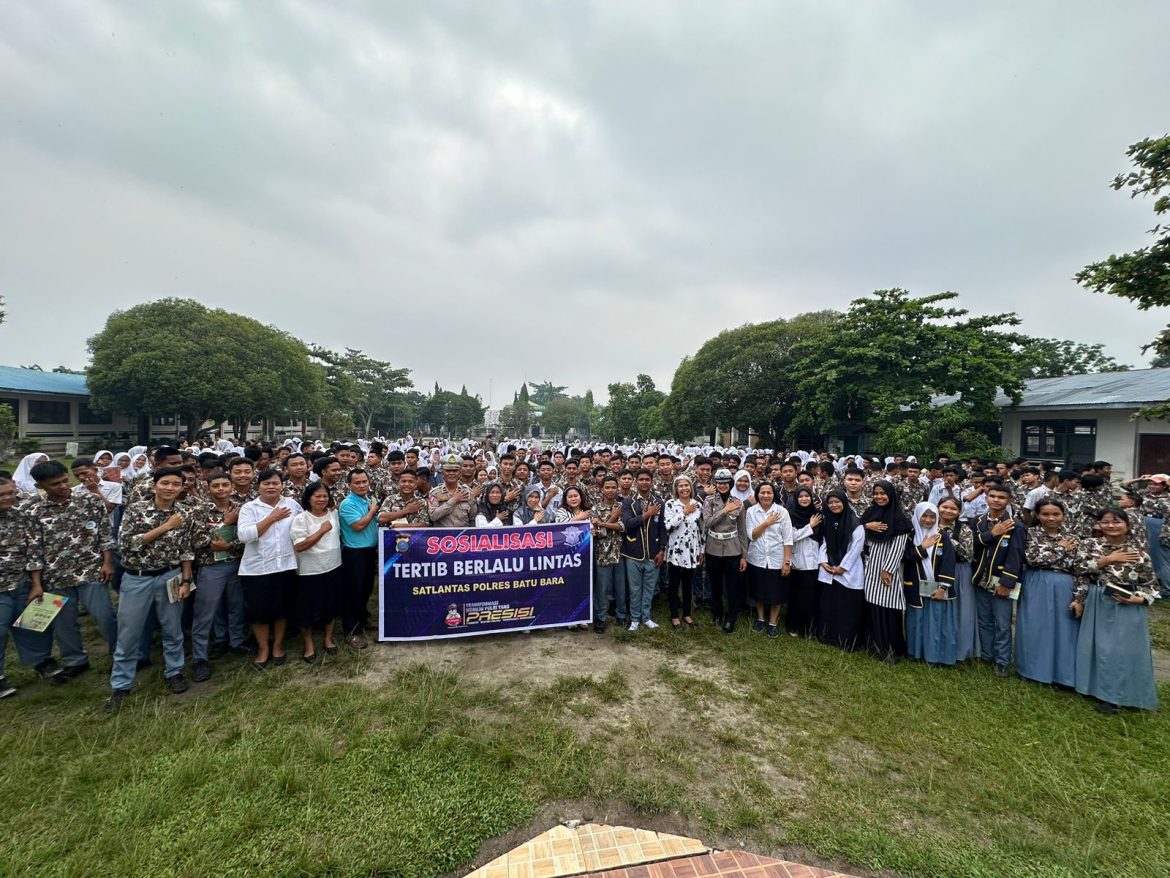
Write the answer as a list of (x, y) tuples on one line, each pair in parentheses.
[(598, 627), (114, 702), (331, 650), (759, 625), (178, 684), (773, 631), (1106, 708), (144, 663), (1001, 670), (279, 660), (6, 688), (201, 671), (48, 668), (70, 672), (728, 627), (217, 650), (243, 649), (309, 659)]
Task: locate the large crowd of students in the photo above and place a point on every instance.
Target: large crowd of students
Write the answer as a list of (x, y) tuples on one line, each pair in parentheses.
[(1047, 568)]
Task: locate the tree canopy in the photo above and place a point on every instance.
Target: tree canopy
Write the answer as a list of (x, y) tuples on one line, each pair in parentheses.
[(621, 416)]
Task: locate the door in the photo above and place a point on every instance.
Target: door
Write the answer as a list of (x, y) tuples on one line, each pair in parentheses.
[(1153, 453)]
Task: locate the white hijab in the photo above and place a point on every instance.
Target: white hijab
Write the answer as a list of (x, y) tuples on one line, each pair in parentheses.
[(921, 534), (23, 475), (742, 496)]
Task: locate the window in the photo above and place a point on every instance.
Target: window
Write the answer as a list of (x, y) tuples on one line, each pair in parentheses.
[(1073, 441), (43, 411), (162, 420), (86, 415)]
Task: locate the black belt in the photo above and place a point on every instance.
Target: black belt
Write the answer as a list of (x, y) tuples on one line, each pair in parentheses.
[(158, 572)]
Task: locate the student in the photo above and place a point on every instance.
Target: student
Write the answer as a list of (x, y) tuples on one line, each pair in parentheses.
[(930, 620), (963, 540), (842, 607), (1116, 587), (76, 538), (769, 556), (22, 561), (316, 535), (405, 507), (218, 594), (997, 565), (157, 544), (609, 573), (493, 510), (684, 551), (804, 596), (268, 566), (643, 547), (887, 531), (1046, 634)]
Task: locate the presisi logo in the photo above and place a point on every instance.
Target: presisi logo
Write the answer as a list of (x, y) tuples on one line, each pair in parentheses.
[(481, 617)]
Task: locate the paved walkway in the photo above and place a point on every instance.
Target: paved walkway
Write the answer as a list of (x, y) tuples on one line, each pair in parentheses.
[(602, 851)]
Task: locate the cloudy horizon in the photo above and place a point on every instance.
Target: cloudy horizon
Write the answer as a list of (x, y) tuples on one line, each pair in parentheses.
[(468, 189)]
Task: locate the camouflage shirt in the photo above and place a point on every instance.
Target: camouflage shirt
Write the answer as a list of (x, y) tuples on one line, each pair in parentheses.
[(963, 539), (607, 544), (73, 536), (396, 503), (1045, 552), (339, 490), (288, 489), (911, 492), (20, 548), (206, 519), (1138, 577), (166, 551), (1156, 505), (240, 499)]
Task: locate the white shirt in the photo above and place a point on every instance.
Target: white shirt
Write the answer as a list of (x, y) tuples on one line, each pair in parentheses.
[(111, 491), (1033, 496), (767, 550), (853, 577), (272, 552), (325, 554), (806, 552)]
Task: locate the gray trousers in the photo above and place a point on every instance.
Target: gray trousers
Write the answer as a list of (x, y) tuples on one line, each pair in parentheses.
[(67, 626), (219, 598)]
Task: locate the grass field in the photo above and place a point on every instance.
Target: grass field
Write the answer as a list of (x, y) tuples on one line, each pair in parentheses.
[(404, 760)]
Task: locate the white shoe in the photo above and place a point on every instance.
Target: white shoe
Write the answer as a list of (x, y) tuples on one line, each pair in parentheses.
[(633, 626), (650, 623)]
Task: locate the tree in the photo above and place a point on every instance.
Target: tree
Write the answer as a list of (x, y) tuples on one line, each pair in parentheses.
[(561, 414), (884, 363), (620, 416), (1142, 276), (8, 430), (741, 378), (455, 414), (1054, 357), (174, 356), (545, 392), (516, 418), (1160, 361)]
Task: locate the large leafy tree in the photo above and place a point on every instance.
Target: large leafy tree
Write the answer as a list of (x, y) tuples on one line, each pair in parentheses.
[(620, 418), (1142, 276), (562, 414), (742, 378), (456, 414), (544, 392), (1054, 357), (891, 354)]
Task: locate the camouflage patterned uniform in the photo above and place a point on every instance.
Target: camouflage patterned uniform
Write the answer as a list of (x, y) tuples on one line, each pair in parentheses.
[(73, 537), (396, 503), (20, 548)]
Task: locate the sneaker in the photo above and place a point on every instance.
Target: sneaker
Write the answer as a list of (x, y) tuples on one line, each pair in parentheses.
[(651, 624), (759, 625), (6, 688), (178, 684), (357, 641), (201, 671), (48, 668), (114, 702), (773, 631), (633, 626), (70, 673)]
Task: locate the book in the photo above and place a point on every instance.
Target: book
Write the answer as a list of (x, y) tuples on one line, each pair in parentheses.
[(227, 533), (1111, 589), (927, 587), (173, 586), (39, 614)]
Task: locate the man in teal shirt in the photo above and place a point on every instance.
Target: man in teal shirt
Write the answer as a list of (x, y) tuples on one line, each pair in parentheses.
[(359, 554)]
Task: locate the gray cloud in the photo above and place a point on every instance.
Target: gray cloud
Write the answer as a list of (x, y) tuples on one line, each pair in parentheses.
[(488, 192)]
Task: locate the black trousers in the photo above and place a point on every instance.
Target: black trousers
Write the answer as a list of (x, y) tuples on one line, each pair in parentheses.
[(358, 569), (727, 586), (680, 577)]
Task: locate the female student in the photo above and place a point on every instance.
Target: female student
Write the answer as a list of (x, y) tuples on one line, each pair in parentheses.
[(887, 531), (1046, 631), (842, 608), (930, 590)]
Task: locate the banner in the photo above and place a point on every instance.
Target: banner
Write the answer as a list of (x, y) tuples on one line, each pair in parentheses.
[(460, 582)]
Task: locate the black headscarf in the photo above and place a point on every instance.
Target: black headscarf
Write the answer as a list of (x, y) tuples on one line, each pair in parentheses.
[(838, 529), (801, 515), (891, 515), (491, 510)]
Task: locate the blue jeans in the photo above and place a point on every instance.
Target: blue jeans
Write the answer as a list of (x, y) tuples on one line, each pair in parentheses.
[(995, 626), (609, 582), (642, 578), (33, 647), (213, 594), (140, 595), (67, 626)]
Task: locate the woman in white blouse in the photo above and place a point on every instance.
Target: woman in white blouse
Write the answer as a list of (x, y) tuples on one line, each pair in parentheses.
[(769, 556), (684, 549), (268, 568), (316, 539), (842, 609), (804, 596)]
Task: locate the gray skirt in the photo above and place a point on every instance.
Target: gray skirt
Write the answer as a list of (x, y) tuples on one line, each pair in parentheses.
[(1114, 663)]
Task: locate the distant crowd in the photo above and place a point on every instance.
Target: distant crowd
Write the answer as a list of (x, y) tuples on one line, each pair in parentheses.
[(1046, 568)]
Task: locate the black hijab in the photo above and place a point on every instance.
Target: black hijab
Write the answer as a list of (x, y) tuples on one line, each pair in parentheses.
[(491, 510), (837, 530), (891, 515), (801, 515)]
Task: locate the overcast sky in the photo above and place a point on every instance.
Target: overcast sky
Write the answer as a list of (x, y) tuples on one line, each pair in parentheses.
[(491, 191)]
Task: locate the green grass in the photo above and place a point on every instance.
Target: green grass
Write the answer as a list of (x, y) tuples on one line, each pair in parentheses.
[(777, 745), (1160, 624)]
